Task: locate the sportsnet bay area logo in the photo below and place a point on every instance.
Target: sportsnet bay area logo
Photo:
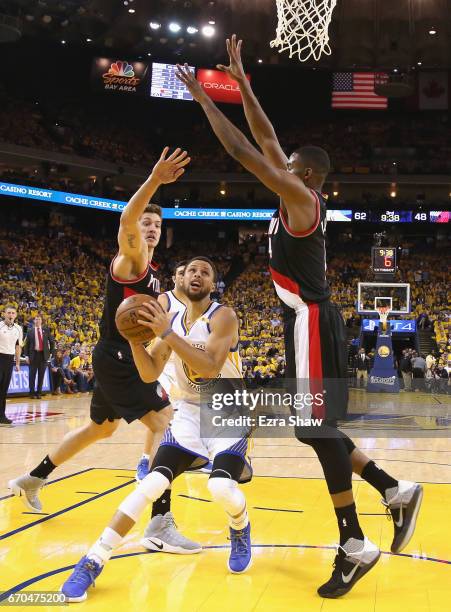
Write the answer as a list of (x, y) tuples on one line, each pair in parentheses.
[(121, 77)]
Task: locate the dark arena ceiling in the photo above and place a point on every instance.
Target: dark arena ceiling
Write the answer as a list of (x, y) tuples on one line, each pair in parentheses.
[(364, 33)]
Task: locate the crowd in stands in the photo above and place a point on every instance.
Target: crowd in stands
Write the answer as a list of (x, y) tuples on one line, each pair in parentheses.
[(60, 271), (420, 373), (404, 144)]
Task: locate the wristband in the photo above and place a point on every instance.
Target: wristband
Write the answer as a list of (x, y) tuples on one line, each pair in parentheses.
[(166, 333)]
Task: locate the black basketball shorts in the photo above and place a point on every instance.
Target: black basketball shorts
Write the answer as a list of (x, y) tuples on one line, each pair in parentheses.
[(317, 356), (119, 392)]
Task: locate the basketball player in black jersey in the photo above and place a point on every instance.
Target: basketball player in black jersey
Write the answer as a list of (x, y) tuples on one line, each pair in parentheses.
[(315, 339), (119, 392)]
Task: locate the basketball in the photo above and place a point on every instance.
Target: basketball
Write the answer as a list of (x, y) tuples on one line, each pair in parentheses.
[(127, 318)]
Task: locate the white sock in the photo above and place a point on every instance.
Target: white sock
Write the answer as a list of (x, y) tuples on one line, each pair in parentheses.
[(239, 521), (102, 550)]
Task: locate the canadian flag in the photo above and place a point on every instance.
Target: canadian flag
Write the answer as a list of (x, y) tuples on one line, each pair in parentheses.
[(433, 91)]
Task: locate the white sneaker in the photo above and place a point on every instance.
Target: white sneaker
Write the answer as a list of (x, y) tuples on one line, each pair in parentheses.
[(27, 488)]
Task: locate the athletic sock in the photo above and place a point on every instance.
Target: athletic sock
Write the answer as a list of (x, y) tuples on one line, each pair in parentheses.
[(162, 504), (239, 521), (102, 550), (348, 523), (144, 456), (377, 478), (45, 468)]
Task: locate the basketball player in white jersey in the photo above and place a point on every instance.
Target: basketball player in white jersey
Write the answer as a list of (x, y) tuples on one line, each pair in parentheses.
[(205, 342), (173, 301)]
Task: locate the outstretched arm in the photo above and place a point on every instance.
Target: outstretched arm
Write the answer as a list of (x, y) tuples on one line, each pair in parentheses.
[(260, 126), (297, 198), (133, 253)]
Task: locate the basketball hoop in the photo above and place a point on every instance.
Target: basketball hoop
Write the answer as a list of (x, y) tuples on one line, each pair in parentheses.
[(383, 311), (303, 27)]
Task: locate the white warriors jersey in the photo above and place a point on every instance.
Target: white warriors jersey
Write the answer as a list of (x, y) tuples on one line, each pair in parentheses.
[(167, 377), (188, 384)]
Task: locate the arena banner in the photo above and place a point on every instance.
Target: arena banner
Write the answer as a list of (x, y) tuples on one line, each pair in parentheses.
[(198, 214), (219, 86), (120, 75), (20, 382), (399, 326)]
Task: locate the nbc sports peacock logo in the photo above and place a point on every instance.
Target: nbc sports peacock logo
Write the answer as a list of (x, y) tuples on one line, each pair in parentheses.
[(383, 351), (119, 68), (121, 77)]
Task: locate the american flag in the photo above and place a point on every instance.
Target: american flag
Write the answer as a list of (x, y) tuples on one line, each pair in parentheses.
[(355, 90)]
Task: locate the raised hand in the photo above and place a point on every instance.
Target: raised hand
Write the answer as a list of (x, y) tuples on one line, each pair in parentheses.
[(184, 74), (169, 169), (235, 69)]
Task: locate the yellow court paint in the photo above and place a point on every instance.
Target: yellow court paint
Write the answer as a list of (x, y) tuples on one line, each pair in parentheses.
[(293, 528)]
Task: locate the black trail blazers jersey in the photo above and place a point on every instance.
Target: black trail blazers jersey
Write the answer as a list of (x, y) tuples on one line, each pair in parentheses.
[(117, 290), (314, 332), (297, 260)]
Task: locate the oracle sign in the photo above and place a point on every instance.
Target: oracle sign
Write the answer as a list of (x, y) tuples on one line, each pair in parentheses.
[(219, 86)]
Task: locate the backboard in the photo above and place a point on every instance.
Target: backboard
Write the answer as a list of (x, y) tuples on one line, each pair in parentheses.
[(371, 296)]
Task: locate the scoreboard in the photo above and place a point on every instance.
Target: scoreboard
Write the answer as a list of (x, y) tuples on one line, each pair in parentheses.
[(401, 216), (166, 85), (383, 259)]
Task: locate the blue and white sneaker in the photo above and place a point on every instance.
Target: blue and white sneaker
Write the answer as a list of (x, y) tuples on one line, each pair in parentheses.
[(241, 554), (142, 470), (83, 576)]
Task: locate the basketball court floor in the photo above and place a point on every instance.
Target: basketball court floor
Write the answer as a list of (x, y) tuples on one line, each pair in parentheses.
[(293, 524)]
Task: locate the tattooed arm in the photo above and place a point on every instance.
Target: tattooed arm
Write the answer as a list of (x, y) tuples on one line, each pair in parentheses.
[(133, 256)]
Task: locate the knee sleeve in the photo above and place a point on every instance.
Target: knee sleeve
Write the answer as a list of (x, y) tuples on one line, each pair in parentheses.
[(227, 494), (348, 443), (149, 490), (335, 460)]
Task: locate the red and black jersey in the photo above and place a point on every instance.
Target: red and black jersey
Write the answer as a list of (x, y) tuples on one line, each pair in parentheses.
[(297, 260), (117, 290)]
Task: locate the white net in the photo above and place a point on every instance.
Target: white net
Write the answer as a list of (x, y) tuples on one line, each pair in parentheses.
[(303, 27), (383, 311)]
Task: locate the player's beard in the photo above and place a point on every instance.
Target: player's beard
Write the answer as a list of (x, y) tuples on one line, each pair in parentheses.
[(196, 297)]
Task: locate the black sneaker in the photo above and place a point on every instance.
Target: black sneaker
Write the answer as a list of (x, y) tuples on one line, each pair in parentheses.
[(4, 420), (402, 505), (353, 560)]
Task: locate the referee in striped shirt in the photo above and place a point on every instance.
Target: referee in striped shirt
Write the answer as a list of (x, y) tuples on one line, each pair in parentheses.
[(11, 340)]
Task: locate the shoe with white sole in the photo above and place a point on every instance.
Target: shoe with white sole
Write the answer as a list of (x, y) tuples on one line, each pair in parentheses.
[(353, 560), (84, 575), (402, 505), (161, 535), (27, 488)]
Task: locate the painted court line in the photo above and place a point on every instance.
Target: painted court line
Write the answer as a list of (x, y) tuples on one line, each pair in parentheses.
[(30, 581), (196, 498), (63, 511), (56, 480)]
